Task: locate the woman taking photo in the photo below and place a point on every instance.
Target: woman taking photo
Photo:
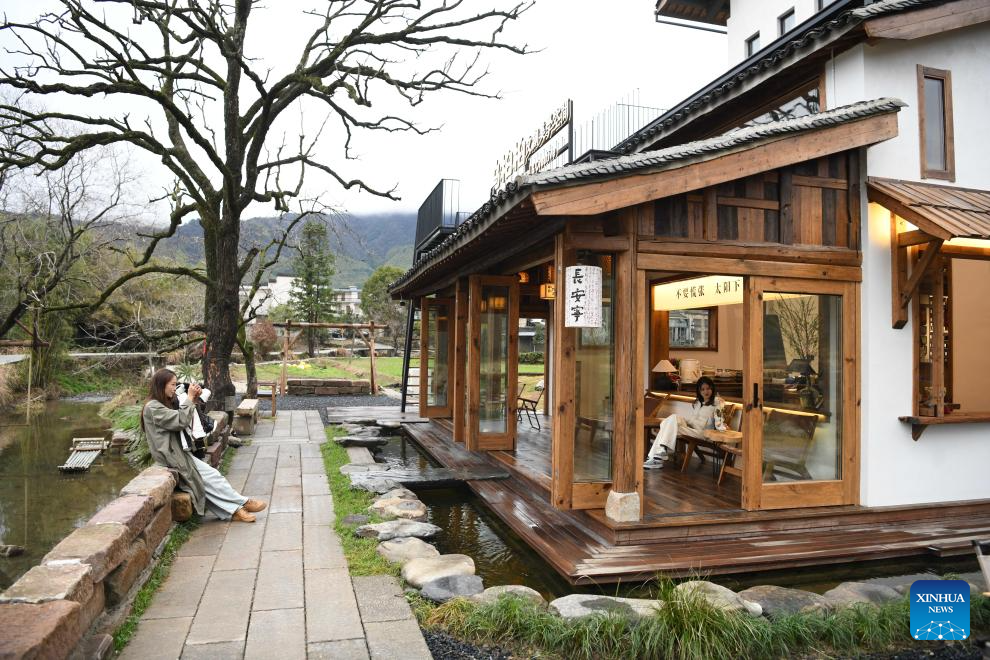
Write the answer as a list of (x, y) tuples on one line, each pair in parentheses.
[(692, 425), (162, 419)]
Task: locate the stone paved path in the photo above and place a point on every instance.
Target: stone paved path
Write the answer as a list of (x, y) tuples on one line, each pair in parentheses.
[(278, 588)]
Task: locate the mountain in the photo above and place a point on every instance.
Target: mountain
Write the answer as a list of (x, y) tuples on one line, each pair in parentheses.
[(361, 243)]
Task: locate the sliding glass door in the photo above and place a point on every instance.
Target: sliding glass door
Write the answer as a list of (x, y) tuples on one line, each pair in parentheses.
[(436, 351)]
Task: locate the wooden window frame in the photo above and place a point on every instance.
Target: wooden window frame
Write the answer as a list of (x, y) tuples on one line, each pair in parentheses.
[(780, 22), (712, 332), (748, 44), (949, 173)]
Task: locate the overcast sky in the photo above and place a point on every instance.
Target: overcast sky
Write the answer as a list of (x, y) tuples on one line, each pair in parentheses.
[(591, 51)]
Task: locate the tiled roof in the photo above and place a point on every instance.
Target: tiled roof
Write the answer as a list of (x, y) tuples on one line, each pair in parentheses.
[(764, 61), (941, 210), (515, 191)]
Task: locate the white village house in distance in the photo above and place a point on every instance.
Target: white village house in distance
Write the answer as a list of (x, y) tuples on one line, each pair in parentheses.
[(810, 230), (278, 291)]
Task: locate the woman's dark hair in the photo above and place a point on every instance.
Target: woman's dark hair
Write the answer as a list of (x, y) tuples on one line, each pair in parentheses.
[(705, 380), (156, 391)]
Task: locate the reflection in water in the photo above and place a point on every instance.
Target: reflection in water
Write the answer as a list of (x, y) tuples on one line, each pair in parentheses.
[(501, 557), (39, 505)]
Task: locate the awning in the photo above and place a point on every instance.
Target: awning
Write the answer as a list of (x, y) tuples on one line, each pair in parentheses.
[(941, 211)]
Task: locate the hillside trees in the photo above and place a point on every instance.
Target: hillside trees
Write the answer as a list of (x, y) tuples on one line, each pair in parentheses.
[(311, 297), (379, 307), (183, 84)]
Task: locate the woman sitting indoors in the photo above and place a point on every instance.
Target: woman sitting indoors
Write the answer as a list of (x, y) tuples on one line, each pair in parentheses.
[(693, 425), (162, 419)]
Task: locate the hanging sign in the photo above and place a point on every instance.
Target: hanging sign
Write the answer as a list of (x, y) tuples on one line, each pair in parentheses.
[(583, 297), (520, 159), (707, 291)]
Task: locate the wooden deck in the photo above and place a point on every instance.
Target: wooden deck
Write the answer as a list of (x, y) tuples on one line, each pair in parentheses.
[(691, 526)]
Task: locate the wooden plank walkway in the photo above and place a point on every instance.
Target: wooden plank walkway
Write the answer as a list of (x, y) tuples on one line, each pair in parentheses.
[(586, 548), (434, 477)]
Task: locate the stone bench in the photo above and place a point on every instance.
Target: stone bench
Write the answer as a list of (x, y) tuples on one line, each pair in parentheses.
[(82, 588), (246, 417)]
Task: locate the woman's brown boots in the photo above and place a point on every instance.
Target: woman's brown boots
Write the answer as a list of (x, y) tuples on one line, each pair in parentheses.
[(241, 515), (254, 506)]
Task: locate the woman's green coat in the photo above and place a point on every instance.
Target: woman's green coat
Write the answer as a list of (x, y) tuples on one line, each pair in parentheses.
[(161, 428)]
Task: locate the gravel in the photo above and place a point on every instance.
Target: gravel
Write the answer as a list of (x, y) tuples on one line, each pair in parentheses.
[(445, 647), (321, 403)]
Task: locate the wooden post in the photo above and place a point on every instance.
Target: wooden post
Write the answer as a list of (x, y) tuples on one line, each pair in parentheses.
[(371, 352), (564, 345), (283, 383), (628, 366), (938, 337)]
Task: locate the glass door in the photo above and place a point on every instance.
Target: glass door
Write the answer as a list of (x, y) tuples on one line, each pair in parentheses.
[(801, 407), (436, 350), (492, 362)]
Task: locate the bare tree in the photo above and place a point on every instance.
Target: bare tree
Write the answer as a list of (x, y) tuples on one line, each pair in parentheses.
[(212, 113)]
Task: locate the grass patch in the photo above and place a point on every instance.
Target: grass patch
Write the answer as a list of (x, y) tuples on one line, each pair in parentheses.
[(96, 379), (362, 559), (179, 535), (686, 627)]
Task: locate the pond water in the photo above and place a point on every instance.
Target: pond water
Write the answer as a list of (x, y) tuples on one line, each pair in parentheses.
[(501, 557), (39, 505)]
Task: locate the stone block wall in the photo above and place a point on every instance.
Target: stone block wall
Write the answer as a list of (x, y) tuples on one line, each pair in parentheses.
[(327, 386), (92, 571)]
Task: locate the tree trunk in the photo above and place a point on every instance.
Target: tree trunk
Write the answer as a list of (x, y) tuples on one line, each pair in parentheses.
[(222, 307), (311, 341), (247, 348)]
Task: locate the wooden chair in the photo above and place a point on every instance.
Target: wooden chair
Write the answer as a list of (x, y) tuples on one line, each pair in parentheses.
[(529, 406), (787, 441)]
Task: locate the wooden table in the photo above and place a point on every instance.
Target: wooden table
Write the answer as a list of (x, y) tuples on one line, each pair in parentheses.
[(720, 439)]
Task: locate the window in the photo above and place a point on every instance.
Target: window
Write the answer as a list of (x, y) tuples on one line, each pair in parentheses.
[(752, 44), (935, 124), (785, 22), (822, 4), (695, 329)]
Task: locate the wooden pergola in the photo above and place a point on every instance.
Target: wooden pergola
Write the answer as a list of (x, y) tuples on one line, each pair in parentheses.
[(288, 340)]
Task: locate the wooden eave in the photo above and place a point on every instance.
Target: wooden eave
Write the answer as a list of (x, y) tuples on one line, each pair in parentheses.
[(712, 12), (684, 176), (929, 21)]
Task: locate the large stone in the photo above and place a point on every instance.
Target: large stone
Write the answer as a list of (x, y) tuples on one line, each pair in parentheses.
[(360, 441), (352, 468), (446, 588), (373, 484), (578, 606), (404, 549), (46, 583), (399, 508), (182, 506), (398, 494), (120, 580), (492, 594), (45, 630), (155, 482), (392, 529), (157, 528), (102, 547), (718, 596), (418, 572), (132, 511), (622, 507), (780, 601), (851, 593)]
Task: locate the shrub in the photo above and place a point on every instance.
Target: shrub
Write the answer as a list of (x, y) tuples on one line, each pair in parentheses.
[(7, 379), (264, 337), (534, 357)]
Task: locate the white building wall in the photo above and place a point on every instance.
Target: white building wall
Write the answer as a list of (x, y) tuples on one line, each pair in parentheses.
[(750, 16), (948, 462)]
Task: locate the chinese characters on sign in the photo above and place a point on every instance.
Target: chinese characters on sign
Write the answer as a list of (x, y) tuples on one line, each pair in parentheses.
[(583, 297), (707, 291)]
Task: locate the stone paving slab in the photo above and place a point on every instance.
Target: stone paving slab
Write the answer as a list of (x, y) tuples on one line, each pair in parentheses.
[(278, 588)]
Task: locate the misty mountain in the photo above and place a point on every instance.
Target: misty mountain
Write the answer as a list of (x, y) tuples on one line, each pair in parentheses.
[(360, 243)]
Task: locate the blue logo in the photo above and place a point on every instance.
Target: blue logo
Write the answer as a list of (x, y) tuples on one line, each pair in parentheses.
[(940, 609)]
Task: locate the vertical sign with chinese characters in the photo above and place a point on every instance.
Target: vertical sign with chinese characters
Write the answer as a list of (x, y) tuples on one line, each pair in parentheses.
[(583, 296)]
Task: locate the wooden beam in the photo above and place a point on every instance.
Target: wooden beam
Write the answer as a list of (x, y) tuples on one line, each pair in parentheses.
[(820, 182), (898, 278), (747, 203), (909, 238), (646, 261), (604, 196), (930, 21), (626, 395), (919, 271), (908, 213), (816, 254), (967, 251)]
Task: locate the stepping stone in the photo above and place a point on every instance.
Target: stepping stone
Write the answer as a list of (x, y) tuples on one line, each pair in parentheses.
[(779, 601), (418, 572), (719, 597), (492, 594), (850, 593), (406, 548), (454, 586), (578, 606), (351, 468), (398, 493), (392, 529), (372, 484), (389, 424), (396, 508), (360, 441)]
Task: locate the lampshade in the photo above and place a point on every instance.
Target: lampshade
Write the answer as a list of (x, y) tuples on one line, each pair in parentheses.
[(802, 367), (548, 291), (524, 277), (664, 367)]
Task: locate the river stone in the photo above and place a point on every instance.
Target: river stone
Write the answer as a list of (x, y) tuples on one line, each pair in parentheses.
[(11, 550), (406, 548), (850, 593), (132, 511), (398, 494), (44, 583), (102, 547), (355, 519), (779, 601), (360, 441), (578, 606), (386, 531), (719, 597), (156, 482), (373, 484), (492, 594), (418, 572), (446, 588), (405, 509)]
